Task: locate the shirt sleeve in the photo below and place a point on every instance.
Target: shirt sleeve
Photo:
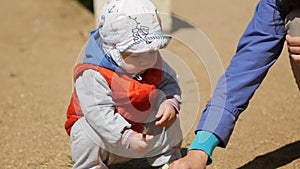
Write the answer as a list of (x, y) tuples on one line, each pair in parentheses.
[(258, 49), (97, 105), (169, 83), (206, 142)]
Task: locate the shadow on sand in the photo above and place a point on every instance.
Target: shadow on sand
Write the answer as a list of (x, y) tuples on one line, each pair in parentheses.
[(87, 4), (139, 163), (177, 23), (276, 158)]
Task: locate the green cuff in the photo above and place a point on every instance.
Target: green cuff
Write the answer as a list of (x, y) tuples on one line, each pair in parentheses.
[(205, 141)]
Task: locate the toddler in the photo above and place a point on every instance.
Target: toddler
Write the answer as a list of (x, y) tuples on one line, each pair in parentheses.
[(126, 98)]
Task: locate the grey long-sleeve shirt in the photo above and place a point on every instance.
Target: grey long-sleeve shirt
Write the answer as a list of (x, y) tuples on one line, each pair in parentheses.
[(95, 97)]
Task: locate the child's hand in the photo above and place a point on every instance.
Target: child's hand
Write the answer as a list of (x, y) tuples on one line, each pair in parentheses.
[(166, 115), (139, 144)]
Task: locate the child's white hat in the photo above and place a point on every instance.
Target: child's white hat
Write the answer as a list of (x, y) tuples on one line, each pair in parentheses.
[(131, 26)]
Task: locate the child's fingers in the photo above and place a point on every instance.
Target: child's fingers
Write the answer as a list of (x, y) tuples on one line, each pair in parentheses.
[(149, 137), (163, 119), (139, 144), (160, 111), (139, 137)]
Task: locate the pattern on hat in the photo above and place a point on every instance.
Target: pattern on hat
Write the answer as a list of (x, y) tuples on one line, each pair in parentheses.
[(131, 26)]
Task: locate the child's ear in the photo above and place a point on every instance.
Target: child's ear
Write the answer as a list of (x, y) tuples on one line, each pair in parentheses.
[(125, 54)]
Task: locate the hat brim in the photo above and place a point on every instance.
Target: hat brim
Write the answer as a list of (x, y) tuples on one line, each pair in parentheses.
[(149, 43)]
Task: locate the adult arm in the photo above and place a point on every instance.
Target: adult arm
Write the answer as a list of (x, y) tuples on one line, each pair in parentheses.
[(258, 49)]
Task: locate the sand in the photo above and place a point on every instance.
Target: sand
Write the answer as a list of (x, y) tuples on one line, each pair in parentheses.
[(40, 42)]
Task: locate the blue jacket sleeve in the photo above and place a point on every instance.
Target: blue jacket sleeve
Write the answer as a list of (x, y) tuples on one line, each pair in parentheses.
[(257, 51)]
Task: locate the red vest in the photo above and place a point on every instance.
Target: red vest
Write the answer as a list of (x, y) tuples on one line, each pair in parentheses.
[(132, 98)]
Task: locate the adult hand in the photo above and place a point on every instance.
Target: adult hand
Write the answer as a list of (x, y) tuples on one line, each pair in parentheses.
[(166, 115), (139, 144), (294, 48), (195, 159)]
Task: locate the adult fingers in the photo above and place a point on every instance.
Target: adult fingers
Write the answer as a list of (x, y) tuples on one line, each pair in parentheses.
[(296, 58), (292, 40), (294, 49)]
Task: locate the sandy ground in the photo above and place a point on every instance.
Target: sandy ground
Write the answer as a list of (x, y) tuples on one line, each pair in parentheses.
[(39, 45)]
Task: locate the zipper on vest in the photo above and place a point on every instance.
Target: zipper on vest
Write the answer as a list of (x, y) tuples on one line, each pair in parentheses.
[(138, 77)]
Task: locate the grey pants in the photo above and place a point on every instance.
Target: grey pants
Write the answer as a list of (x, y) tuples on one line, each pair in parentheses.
[(90, 151), (293, 28)]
